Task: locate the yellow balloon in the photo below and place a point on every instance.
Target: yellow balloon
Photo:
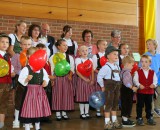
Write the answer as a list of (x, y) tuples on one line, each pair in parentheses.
[(58, 57), (4, 67)]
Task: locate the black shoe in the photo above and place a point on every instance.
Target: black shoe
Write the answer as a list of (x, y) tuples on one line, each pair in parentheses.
[(65, 117), (83, 116), (140, 122), (58, 118), (128, 123), (150, 121)]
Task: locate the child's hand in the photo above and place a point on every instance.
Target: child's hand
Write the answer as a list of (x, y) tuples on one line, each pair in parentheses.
[(152, 86), (44, 84), (141, 86), (134, 89), (103, 89), (13, 74), (87, 80), (52, 83), (92, 82), (70, 77), (29, 77), (52, 77)]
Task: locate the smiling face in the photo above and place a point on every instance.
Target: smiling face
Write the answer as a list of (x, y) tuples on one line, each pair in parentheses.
[(35, 32), (45, 29), (88, 38), (22, 28), (116, 39), (63, 47), (4, 43)]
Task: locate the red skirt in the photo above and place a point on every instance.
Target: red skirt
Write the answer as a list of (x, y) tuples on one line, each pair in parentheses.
[(35, 103), (63, 94), (83, 90)]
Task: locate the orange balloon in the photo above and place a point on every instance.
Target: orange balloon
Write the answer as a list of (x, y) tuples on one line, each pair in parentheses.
[(23, 58)]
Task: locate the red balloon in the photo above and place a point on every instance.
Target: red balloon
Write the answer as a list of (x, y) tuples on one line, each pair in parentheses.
[(85, 68), (103, 60), (135, 68), (38, 60)]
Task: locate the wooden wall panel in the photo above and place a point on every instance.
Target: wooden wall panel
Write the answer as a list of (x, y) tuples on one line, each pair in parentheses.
[(124, 1), (101, 17), (122, 12), (36, 11), (105, 6), (56, 3)]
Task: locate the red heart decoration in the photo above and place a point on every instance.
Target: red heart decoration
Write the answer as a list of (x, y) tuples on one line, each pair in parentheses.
[(103, 60), (135, 68), (85, 68)]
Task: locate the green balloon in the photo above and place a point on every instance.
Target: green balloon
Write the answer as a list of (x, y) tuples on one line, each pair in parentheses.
[(62, 68)]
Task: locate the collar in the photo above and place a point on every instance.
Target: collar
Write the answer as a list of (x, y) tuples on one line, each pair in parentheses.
[(2, 53), (146, 70)]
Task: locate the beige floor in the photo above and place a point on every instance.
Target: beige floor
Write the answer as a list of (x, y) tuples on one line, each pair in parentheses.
[(75, 123)]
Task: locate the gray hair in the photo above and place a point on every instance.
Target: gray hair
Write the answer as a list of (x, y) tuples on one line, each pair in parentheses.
[(115, 33)]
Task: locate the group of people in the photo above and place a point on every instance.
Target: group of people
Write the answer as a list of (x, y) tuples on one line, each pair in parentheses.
[(39, 92)]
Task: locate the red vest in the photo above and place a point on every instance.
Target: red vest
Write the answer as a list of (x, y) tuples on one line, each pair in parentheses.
[(7, 78), (146, 82), (47, 67)]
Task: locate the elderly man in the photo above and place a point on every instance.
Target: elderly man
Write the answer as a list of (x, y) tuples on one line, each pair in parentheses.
[(47, 39)]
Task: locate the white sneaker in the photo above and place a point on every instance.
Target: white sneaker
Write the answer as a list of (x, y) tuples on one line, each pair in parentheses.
[(30, 125), (16, 124)]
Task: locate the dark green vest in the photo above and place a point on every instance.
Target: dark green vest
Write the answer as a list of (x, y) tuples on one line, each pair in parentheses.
[(37, 77), (17, 48)]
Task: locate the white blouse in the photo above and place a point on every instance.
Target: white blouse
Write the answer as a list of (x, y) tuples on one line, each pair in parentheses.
[(69, 43), (94, 58), (25, 72)]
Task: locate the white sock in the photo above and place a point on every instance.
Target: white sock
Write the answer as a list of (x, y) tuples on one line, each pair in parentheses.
[(58, 114), (124, 118), (106, 120), (98, 112), (37, 126), (114, 118), (64, 113), (81, 107), (86, 107), (16, 114), (1, 124), (27, 127)]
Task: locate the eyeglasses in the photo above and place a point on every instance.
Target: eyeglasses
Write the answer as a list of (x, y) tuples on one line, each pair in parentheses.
[(117, 37), (26, 44)]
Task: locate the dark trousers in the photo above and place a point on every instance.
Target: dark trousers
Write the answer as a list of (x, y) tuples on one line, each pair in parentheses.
[(112, 95), (126, 101), (144, 100)]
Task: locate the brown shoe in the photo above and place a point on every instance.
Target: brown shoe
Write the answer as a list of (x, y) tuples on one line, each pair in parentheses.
[(108, 126), (117, 125)]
